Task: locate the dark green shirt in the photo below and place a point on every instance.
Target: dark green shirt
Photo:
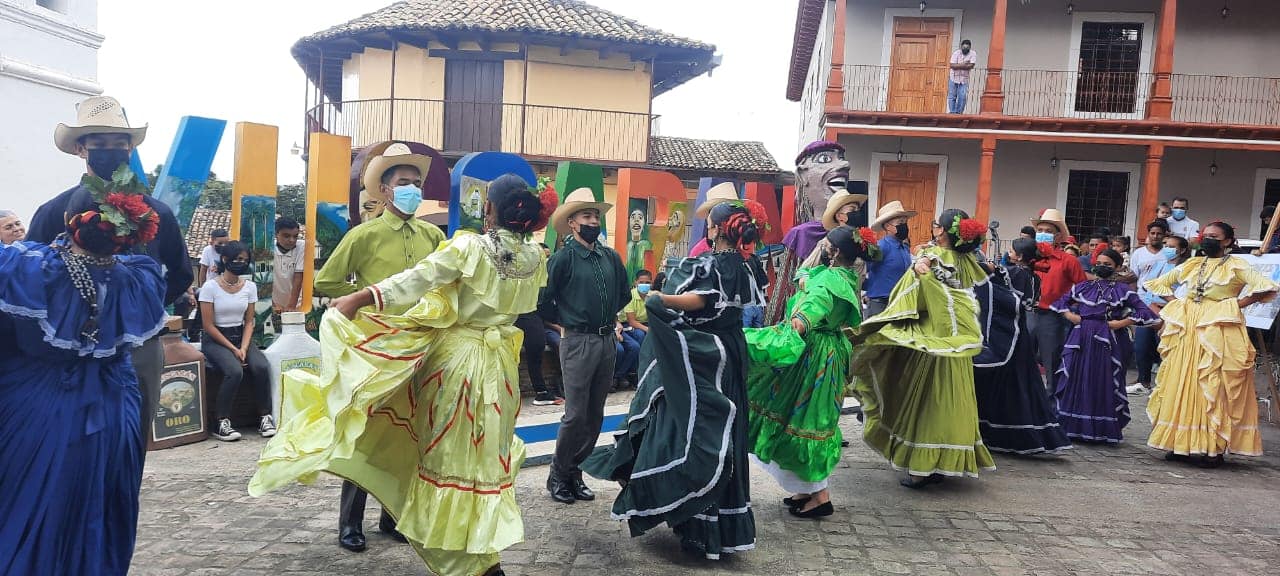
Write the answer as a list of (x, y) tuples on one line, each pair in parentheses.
[(586, 287)]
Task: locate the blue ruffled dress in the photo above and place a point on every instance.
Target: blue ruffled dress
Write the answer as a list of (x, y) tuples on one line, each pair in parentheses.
[(71, 444)]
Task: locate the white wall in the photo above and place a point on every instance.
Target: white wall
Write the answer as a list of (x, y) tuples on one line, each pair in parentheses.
[(48, 63), (813, 102)]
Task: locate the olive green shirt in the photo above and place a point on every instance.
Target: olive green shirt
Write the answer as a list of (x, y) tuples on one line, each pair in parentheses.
[(586, 287), (376, 250)]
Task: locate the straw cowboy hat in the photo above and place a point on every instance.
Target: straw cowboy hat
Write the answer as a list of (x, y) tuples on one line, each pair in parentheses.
[(718, 194), (1053, 216), (96, 115), (889, 212), (577, 201), (835, 203), (395, 155)]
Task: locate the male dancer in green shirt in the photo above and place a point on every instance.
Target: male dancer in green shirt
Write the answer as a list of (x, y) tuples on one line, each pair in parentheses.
[(370, 253), (587, 286)]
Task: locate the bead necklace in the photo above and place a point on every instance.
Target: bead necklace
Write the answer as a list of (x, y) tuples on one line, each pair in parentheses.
[(1202, 280), (78, 269), (504, 259)]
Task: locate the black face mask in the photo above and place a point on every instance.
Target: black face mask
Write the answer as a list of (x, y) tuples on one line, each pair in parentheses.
[(105, 161), (1212, 247), (589, 233), (902, 232), (238, 268), (1103, 271)]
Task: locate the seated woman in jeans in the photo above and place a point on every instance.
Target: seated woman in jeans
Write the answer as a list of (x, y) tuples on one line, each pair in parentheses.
[(226, 306)]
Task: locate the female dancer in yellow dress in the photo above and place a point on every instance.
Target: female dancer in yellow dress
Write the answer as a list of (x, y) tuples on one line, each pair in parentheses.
[(1204, 403), (417, 402)]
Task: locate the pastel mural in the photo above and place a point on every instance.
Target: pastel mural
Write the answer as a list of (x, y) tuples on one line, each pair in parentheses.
[(660, 197), (184, 174), (469, 183), (328, 190)]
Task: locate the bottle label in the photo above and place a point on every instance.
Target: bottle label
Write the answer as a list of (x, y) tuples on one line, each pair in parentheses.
[(178, 411), (310, 364)]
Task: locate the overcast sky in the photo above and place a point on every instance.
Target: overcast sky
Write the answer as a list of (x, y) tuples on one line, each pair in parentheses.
[(230, 60)]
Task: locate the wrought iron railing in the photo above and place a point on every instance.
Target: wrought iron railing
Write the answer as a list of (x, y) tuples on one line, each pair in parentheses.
[(454, 126), (1234, 100)]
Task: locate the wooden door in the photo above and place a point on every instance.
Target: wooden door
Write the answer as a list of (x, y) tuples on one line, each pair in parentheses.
[(915, 184), (473, 105), (918, 77)]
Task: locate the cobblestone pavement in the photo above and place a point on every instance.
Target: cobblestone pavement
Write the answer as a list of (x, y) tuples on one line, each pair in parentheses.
[(1096, 510)]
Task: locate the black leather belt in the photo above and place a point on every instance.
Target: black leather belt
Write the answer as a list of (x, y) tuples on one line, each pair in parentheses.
[(601, 331)]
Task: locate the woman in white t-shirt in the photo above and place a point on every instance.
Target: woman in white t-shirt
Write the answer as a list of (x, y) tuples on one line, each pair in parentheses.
[(226, 308)]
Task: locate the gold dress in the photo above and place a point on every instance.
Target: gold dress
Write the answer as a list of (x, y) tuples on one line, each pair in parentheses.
[(1204, 402), (419, 407)]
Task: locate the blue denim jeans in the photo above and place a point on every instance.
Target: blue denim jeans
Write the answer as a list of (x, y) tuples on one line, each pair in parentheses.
[(1146, 342), (628, 357), (957, 97)]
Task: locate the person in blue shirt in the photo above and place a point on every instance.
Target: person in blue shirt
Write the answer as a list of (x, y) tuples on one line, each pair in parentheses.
[(1147, 338), (895, 256)]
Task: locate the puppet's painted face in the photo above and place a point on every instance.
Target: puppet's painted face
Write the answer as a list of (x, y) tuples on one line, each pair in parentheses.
[(821, 174), (636, 224)]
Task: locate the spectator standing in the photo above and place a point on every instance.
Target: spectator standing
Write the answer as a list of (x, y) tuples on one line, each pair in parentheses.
[(1180, 222), (895, 255), (209, 255), (1146, 341), (1151, 253), (962, 63), (286, 283)]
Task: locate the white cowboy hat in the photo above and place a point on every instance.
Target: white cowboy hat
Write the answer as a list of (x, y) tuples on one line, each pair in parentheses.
[(395, 155), (1053, 216), (889, 212), (835, 203), (96, 115), (577, 201), (718, 194)]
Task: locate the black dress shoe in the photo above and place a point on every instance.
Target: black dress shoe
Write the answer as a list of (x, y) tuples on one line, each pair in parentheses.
[(389, 528), (581, 492), (560, 491), (819, 511), (351, 538)]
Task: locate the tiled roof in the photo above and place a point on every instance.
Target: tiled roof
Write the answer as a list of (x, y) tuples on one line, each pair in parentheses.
[(808, 22), (204, 221), (710, 155), (567, 18)]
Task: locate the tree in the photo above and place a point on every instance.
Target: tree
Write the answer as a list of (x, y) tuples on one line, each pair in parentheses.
[(291, 201)]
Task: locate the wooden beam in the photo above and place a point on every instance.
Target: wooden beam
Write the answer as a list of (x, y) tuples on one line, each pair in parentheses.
[(993, 93), (1160, 106), (411, 39), (475, 54), (483, 41), (380, 40), (986, 168), (1150, 184)]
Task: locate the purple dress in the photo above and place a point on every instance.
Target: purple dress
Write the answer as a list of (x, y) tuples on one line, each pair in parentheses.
[(1092, 404)]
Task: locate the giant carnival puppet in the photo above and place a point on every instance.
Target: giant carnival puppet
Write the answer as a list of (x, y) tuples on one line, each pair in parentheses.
[(821, 172)]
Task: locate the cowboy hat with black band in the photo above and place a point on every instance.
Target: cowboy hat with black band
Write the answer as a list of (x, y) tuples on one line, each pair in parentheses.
[(96, 115), (577, 201), (838, 201), (1053, 216), (716, 195), (891, 211)]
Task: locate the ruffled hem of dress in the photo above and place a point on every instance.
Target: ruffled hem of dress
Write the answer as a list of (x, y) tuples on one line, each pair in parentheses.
[(809, 458), (924, 459), (493, 515), (41, 317)]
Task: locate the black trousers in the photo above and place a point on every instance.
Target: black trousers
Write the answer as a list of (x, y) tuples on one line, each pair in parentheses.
[(257, 373), (535, 341), (351, 511)]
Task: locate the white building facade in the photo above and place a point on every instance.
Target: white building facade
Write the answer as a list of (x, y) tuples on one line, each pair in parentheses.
[(48, 63)]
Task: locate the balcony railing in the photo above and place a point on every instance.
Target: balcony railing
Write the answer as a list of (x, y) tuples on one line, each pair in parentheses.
[(460, 127), (1231, 100)]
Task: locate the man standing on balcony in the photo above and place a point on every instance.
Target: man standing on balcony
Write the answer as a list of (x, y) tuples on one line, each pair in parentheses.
[(962, 63), (1180, 224), (375, 250)]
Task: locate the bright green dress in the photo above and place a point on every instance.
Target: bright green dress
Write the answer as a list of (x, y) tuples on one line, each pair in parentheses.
[(419, 407), (913, 371), (795, 402)]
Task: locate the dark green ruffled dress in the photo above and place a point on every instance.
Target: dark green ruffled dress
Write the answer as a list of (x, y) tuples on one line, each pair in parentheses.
[(796, 398), (681, 455)]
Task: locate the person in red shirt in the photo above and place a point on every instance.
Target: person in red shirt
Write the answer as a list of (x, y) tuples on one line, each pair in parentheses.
[(1058, 272)]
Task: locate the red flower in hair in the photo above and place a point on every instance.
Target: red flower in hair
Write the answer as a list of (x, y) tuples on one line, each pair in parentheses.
[(148, 226), (757, 212), (131, 205), (971, 230), (549, 200), (868, 237)]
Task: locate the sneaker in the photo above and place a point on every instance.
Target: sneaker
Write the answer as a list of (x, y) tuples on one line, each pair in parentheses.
[(267, 427), (1136, 388), (225, 432), (544, 399)]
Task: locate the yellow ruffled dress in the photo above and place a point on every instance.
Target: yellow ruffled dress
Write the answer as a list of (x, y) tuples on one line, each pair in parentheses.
[(1204, 402), (418, 407)]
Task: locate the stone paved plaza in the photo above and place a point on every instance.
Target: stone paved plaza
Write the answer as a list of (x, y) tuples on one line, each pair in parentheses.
[(1096, 510)]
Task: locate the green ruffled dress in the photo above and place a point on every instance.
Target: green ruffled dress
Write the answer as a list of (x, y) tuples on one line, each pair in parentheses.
[(913, 371), (796, 384)]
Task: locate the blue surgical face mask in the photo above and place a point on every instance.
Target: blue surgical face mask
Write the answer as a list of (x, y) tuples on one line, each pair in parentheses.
[(1044, 237), (643, 288), (1179, 213), (407, 198), (1168, 253)]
